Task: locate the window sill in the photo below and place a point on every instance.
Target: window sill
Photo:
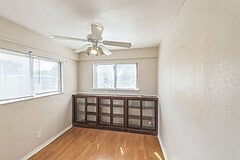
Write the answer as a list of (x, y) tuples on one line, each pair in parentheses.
[(102, 89), (30, 98)]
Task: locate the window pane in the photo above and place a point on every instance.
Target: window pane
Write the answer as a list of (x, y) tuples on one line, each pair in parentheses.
[(104, 76), (14, 76), (126, 76), (46, 76)]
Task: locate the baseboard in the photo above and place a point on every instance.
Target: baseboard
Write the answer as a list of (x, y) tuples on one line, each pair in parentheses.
[(162, 147), (40, 147)]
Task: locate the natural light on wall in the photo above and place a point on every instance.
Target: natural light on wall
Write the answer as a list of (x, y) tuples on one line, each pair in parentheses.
[(25, 75), (115, 76)]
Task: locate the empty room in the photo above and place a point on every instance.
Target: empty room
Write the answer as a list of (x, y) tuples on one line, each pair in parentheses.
[(120, 80)]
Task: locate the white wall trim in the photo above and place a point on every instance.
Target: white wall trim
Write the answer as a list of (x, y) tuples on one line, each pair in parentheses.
[(162, 147), (40, 147)]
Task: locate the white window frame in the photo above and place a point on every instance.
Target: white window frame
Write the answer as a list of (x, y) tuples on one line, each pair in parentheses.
[(94, 65), (94, 76), (33, 94), (60, 74)]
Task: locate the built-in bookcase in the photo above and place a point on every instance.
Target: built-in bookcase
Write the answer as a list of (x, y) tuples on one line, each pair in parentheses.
[(122, 112)]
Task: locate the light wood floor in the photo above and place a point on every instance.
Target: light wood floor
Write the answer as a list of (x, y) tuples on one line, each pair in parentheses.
[(94, 144)]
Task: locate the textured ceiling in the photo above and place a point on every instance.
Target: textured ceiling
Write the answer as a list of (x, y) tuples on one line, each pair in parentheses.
[(142, 22)]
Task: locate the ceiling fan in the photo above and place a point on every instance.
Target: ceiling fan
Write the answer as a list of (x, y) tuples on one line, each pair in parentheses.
[(95, 43)]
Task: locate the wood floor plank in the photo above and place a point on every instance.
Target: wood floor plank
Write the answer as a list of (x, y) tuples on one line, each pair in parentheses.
[(94, 144)]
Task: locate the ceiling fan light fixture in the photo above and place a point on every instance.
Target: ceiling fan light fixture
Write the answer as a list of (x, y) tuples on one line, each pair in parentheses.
[(97, 51), (100, 51), (93, 51)]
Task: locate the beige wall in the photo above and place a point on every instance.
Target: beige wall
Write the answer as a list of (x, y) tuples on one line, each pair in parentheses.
[(20, 121), (199, 82), (147, 69)]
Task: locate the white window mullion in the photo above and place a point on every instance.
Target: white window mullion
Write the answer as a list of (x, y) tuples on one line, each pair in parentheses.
[(61, 87), (31, 57), (94, 79), (115, 77)]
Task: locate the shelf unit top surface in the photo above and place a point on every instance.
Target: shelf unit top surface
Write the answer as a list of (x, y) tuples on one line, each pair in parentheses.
[(104, 95)]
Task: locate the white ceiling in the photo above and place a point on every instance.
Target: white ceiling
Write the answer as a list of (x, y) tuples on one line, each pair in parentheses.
[(142, 22)]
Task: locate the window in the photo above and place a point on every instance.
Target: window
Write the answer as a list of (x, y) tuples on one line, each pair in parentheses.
[(104, 76), (46, 76), (15, 81), (126, 76), (115, 76), (23, 75)]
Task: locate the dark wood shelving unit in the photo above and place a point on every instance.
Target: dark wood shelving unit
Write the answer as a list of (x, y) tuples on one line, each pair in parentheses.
[(91, 104), (91, 113), (114, 115), (130, 113)]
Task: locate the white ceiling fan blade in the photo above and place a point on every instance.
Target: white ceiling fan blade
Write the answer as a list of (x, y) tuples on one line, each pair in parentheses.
[(67, 38), (97, 29), (105, 51), (119, 44), (82, 49)]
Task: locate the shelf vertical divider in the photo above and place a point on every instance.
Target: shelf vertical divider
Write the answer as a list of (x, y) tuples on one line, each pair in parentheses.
[(97, 110), (111, 111), (126, 112), (141, 114), (85, 102)]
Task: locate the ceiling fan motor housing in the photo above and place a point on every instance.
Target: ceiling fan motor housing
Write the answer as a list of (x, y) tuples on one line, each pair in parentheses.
[(94, 38)]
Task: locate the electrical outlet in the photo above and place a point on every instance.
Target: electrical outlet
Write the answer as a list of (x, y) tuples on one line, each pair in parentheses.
[(39, 134)]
